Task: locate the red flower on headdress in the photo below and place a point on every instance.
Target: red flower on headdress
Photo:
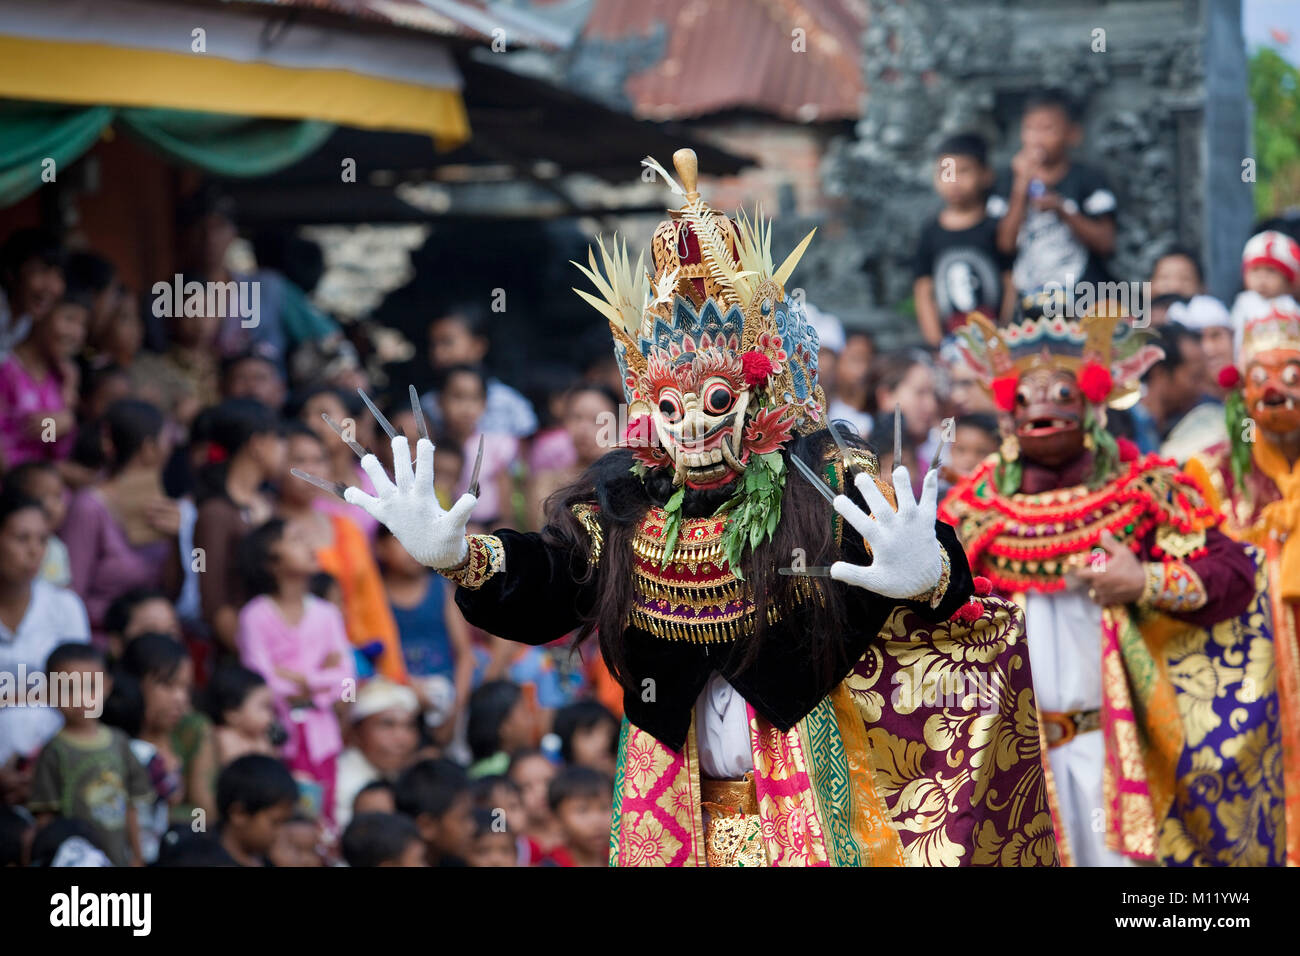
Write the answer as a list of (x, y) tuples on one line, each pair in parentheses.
[(757, 367), (1229, 377), (1095, 382), (1004, 392), (1127, 450)]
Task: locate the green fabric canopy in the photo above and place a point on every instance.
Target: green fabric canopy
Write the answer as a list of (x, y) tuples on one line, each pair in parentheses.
[(222, 144)]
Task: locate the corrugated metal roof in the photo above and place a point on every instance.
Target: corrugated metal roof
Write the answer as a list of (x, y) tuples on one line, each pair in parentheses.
[(467, 19), (739, 54)]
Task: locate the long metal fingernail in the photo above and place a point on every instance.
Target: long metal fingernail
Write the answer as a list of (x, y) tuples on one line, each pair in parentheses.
[(478, 465), (898, 437), (360, 450), (418, 411), (938, 453), (384, 423), (333, 487), (813, 478)]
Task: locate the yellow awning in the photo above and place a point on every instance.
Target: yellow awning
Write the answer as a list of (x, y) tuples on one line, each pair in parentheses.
[(92, 73)]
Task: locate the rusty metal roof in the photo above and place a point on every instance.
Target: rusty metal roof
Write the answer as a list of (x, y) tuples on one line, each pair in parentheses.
[(739, 54)]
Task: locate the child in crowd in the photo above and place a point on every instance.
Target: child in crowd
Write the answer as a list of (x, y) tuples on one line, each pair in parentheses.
[(41, 480), (1270, 263), (1057, 216), (296, 641), (378, 796), (38, 388), (256, 796), (532, 772), (588, 736), (580, 798), (493, 843), (125, 709), (297, 843), (501, 721), (958, 268), (462, 398), (88, 771), (342, 549), (32, 281), (435, 638), (246, 450), (1177, 272), (459, 337), (975, 437), (1208, 317), (501, 795), (382, 742), (181, 736), (310, 407), (906, 379), (382, 839), (851, 401), (436, 795), (139, 611), (242, 708), (35, 618)]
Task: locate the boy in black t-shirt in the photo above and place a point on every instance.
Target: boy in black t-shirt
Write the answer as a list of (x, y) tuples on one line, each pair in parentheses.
[(958, 269), (1057, 217)]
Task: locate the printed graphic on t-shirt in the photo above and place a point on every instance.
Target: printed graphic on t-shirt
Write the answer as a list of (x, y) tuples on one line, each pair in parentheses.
[(965, 277)]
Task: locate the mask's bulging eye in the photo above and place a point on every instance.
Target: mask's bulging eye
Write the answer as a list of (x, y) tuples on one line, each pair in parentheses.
[(718, 398), (1062, 393), (1291, 375), (670, 406), (1258, 375), (1023, 397)]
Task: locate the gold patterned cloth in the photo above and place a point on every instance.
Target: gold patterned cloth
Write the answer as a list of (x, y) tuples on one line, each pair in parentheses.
[(733, 829)]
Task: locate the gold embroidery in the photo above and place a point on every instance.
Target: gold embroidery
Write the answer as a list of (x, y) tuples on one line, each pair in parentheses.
[(587, 517), (694, 596), (486, 557)]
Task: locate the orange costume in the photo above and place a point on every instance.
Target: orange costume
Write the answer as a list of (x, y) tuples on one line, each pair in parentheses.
[(366, 613), (1255, 482)]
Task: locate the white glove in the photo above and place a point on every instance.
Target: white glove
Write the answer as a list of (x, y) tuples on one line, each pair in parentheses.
[(410, 509), (906, 555)]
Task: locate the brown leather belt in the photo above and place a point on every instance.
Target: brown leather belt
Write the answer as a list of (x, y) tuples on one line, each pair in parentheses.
[(1060, 727), (730, 797)]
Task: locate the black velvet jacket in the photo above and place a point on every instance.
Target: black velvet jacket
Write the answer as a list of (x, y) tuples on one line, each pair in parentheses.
[(536, 599)]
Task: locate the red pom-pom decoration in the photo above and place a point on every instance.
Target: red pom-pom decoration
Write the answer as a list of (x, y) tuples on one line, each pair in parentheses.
[(983, 586), (757, 367), (968, 612), (1127, 450), (1004, 392), (1229, 377), (1095, 382)]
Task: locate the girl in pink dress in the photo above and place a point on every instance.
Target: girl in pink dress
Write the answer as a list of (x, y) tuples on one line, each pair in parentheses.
[(297, 642)]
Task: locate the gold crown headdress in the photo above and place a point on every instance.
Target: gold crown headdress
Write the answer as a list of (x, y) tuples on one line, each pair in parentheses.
[(1102, 339), (1279, 328), (713, 285)]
